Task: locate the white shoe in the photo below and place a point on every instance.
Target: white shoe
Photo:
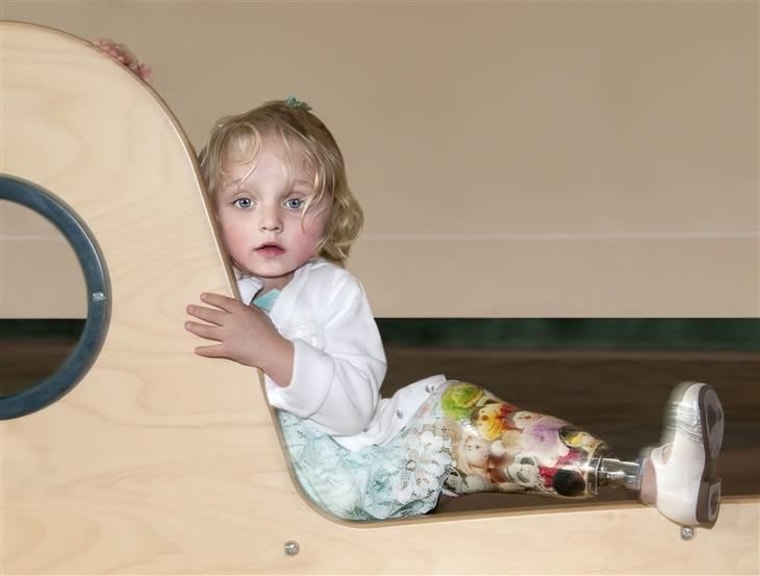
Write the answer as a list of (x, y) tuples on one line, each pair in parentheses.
[(686, 462)]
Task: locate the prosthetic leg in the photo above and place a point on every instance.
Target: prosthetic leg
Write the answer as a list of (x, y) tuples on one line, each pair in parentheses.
[(497, 446)]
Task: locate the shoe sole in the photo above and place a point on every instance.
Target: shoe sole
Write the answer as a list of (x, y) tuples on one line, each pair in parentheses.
[(711, 414)]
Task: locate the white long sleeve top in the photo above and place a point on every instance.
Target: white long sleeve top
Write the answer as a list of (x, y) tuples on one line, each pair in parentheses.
[(339, 361)]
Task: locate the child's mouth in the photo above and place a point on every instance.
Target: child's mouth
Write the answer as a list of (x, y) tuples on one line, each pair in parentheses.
[(270, 250)]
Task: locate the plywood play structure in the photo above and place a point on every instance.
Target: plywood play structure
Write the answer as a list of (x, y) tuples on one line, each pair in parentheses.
[(146, 459)]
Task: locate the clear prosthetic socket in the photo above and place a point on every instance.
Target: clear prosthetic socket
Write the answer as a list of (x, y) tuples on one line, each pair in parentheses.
[(498, 447)]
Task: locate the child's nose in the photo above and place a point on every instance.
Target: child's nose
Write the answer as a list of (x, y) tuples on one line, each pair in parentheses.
[(271, 220)]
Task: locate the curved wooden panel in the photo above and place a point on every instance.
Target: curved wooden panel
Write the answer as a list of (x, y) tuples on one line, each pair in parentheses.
[(163, 462)]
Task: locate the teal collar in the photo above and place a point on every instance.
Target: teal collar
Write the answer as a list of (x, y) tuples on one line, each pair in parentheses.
[(266, 301)]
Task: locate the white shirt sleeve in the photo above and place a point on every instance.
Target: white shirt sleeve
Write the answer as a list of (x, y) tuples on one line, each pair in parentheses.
[(339, 361)]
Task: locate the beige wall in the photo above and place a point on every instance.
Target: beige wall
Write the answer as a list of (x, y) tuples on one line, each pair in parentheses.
[(514, 159)]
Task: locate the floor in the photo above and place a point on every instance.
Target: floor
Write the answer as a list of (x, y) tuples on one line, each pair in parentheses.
[(618, 396)]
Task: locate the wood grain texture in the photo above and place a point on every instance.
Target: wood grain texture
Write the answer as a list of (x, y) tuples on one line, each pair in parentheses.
[(160, 462)]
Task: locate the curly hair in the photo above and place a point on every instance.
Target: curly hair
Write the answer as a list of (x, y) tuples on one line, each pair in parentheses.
[(296, 127)]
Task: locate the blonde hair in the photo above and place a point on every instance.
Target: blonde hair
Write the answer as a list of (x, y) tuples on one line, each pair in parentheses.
[(294, 125)]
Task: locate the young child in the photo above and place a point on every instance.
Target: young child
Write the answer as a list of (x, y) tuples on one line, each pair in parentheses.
[(287, 218)]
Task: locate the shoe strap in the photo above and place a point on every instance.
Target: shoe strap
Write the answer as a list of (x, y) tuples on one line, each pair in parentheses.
[(685, 420)]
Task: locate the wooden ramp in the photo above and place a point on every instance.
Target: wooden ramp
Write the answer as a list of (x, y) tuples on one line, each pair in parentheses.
[(161, 462)]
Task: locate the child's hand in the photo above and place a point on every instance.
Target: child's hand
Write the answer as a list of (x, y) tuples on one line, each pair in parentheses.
[(243, 334), (124, 55)]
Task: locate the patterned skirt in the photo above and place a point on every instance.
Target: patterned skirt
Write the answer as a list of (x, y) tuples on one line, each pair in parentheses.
[(403, 477)]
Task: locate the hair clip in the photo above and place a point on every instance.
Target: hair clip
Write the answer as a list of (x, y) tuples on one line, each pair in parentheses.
[(294, 102)]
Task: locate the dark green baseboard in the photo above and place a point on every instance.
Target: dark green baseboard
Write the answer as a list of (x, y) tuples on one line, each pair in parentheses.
[(741, 334), (574, 333)]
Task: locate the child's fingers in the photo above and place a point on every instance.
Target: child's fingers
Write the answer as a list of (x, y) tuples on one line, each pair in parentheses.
[(214, 351), (144, 71), (207, 331), (104, 43), (224, 302), (207, 314), (125, 56)]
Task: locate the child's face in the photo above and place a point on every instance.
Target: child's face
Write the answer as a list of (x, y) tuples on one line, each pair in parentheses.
[(523, 418), (262, 219), (476, 451), (524, 472)]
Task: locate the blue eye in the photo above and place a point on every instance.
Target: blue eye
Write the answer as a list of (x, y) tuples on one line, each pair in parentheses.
[(294, 203), (243, 203)]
